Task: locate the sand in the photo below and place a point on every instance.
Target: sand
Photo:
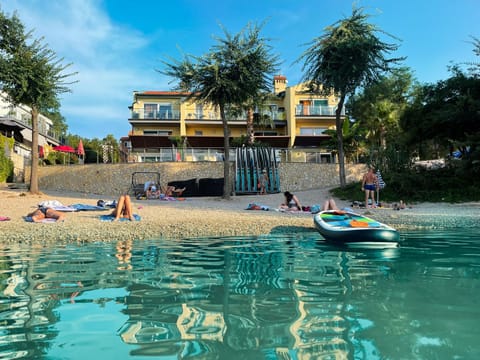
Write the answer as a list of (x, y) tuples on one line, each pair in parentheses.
[(201, 217)]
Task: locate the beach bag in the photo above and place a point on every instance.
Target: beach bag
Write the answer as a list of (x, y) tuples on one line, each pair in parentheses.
[(315, 209)]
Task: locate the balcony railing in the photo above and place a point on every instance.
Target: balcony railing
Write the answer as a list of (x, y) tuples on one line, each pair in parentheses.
[(43, 128), (156, 115), (198, 116), (213, 154), (316, 110)]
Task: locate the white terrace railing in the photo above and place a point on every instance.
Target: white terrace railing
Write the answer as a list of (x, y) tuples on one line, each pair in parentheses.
[(316, 110), (212, 154)]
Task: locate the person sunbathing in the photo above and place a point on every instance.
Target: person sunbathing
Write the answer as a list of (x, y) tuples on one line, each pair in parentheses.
[(43, 213), (152, 192), (123, 209), (170, 190)]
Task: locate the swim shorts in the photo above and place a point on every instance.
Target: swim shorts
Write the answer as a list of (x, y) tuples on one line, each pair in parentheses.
[(369, 187)]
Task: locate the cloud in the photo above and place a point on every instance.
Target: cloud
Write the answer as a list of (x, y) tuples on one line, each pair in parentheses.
[(102, 53)]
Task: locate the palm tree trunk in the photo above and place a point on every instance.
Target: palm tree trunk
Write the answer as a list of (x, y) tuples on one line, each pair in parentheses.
[(227, 186), (341, 153), (34, 154)]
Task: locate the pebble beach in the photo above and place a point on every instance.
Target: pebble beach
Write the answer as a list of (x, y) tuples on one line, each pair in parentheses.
[(201, 217)]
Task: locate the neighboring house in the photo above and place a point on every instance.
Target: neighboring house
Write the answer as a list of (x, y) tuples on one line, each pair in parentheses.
[(165, 120), (16, 122)]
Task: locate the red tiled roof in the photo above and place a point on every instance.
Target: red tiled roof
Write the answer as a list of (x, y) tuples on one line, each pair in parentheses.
[(170, 93)]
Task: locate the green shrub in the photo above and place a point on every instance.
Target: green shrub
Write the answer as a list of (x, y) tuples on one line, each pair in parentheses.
[(6, 166), (442, 185)]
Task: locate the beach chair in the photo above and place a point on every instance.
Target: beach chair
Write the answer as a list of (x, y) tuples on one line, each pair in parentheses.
[(139, 179)]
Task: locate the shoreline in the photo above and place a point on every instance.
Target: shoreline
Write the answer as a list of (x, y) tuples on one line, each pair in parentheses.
[(202, 217)]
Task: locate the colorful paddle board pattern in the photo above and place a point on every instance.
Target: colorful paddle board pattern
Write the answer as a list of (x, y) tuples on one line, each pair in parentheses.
[(341, 219)]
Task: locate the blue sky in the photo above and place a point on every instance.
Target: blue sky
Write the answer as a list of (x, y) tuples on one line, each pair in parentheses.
[(116, 45)]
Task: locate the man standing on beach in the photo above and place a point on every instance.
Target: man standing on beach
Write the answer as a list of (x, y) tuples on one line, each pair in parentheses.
[(369, 185)]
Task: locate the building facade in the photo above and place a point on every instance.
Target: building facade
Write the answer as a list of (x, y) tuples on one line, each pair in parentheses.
[(16, 123), (292, 117)]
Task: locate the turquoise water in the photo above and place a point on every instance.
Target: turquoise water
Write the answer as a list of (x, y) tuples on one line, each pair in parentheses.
[(272, 297)]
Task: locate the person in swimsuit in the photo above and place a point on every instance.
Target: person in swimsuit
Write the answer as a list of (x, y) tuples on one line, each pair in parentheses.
[(291, 202), (369, 185), (43, 213), (123, 209), (329, 204)]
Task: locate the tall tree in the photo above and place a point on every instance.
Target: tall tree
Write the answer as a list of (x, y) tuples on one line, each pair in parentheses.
[(348, 55), (379, 106), (235, 72), (30, 74)]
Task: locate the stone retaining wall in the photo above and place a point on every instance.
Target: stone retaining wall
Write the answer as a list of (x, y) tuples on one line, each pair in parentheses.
[(114, 179)]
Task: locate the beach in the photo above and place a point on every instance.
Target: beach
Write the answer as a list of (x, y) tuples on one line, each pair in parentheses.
[(201, 217)]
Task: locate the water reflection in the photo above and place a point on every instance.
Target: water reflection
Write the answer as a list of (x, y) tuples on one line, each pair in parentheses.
[(269, 297)]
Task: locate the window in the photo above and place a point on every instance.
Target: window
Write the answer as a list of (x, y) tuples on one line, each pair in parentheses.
[(199, 111), (198, 133), (320, 107), (265, 133), (312, 131), (157, 132), (150, 111), (165, 111), (320, 102)]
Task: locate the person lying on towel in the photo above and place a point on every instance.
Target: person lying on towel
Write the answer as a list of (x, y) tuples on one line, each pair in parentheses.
[(43, 213)]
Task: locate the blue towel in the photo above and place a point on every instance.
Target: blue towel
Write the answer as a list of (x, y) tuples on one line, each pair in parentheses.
[(46, 220), (111, 218), (84, 207)]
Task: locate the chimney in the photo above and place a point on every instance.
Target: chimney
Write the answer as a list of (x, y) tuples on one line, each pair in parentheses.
[(279, 84)]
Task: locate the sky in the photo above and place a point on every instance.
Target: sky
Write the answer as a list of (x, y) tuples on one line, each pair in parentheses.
[(116, 47)]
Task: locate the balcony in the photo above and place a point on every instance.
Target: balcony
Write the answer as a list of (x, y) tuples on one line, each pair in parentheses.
[(44, 128), (155, 115), (316, 110)]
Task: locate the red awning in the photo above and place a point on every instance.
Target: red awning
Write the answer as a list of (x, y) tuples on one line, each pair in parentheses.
[(310, 141), (64, 148)]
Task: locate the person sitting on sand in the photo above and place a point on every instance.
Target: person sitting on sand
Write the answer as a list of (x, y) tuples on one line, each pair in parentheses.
[(152, 192), (43, 213), (171, 191), (123, 209), (291, 202)]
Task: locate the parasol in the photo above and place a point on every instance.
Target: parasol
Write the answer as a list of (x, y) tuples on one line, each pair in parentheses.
[(381, 185), (80, 151)]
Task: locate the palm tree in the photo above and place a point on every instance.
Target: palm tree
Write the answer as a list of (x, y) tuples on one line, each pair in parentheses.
[(346, 56), (235, 71)]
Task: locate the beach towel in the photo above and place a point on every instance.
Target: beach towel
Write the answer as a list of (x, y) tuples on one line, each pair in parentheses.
[(111, 218), (56, 205), (45, 221), (254, 206), (4, 218), (171, 198), (86, 207)]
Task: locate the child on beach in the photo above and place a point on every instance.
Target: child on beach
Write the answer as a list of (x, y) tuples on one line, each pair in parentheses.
[(263, 182)]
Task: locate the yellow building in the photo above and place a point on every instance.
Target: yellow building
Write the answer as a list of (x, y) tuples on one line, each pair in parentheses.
[(295, 117)]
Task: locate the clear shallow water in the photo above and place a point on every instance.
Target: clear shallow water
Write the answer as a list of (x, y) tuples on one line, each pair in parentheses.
[(272, 297)]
